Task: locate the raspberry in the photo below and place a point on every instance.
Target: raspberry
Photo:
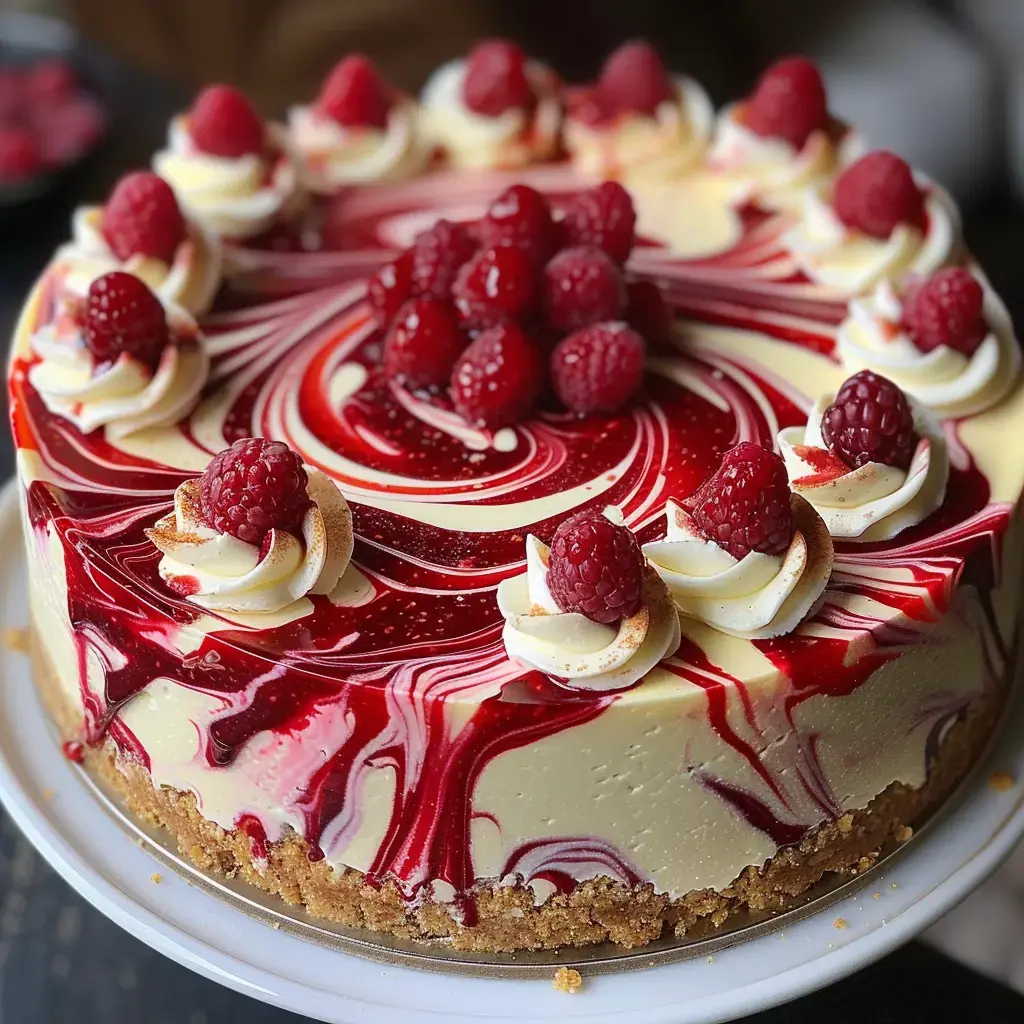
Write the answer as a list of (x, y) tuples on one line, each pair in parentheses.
[(520, 216), (19, 154), (389, 288), (647, 312), (142, 217), (498, 378), (496, 79), (67, 129), (878, 192), (582, 286), (437, 254), (744, 505), (633, 80), (423, 344), (354, 94), (120, 315), (602, 216), (52, 79), (789, 102), (253, 487), (870, 421), (222, 122), (598, 368), (596, 568), (496, 284), (947, 309)]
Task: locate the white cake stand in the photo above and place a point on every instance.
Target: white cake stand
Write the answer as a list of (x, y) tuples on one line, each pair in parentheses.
[(56, 807)]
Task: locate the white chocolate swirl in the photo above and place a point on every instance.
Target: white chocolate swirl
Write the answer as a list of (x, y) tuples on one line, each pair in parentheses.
[(190, 280), (221, 573), (948, 382), (569, 646), (234, 197), (755, 597), (657, 148), (123, 396), (875, 502), (467, 139)]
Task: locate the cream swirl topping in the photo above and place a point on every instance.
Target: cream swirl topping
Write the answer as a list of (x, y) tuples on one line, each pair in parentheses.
[(190, 280), (332, 155), (646, 148), (124, 396), (569, 646), (832, 254), (223, 574), (234, 197), (471, 140), (754, 597), (874, 502), (949, 382)]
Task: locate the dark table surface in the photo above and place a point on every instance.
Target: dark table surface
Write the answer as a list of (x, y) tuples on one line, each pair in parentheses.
[(62, 962)]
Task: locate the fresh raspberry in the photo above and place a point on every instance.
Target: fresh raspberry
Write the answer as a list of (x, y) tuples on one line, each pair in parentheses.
[(222, 122), (253, 487), (68, 129), (120, 315), (602, 216), (744, 505), (789, 102), (634, 80), (390, 287), (20, 158), (947, 309), (647, 312), (423, 344), (142, 217), (598, 368), (13, 93), (596, 568), (51, 80), (498, 378), (496, 78), (437, 255), (870, 421), (520, 216), (354, 94), (878, 192), (496, 284), (582, 286)]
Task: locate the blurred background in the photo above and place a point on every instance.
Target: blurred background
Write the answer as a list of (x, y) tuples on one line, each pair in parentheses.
[(940, 81)]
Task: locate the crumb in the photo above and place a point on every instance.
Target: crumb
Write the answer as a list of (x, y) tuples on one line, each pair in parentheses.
[(711, 959), (894, 886), (156, 878), (903, 833), (1001, 781), (276, 925), (16, 639), (845, 823), (567, 979), (876, 896), (840, 923), (47, 794)]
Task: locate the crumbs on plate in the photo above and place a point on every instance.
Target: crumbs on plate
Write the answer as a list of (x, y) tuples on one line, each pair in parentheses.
[(839, 922), (1001, 781), (16, 639), (567, 979), (156, 878)]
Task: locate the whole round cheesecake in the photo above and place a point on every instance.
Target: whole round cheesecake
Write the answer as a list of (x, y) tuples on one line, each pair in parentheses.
[(416, 536)]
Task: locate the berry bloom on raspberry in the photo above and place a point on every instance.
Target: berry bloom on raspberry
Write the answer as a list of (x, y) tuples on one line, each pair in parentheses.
[(877, 193), (496, 284), (496, 79), (437, 255), (596, 569), (224, 123), (870, 421), (598, 368), (142, 217), (582, 286), (789, 102), (947, 309), (122, 316), (389, 287), (354, 95), (520, 216), (604, 217), (634, 80), (253, 487), (498, 379), (423, 344), (744, 505)]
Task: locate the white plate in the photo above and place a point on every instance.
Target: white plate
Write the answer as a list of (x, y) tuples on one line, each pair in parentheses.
[(51, 801)]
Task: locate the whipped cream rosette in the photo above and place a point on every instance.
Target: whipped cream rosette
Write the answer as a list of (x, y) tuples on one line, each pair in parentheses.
[(233, 197), (226, 575), (574, 648), (754, 597), (189, 280), (514, 138), (122, 395), (949, 382), (873, 502)]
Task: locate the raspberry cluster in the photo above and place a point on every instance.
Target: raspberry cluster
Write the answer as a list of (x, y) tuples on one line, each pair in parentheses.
[(495, 309)]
